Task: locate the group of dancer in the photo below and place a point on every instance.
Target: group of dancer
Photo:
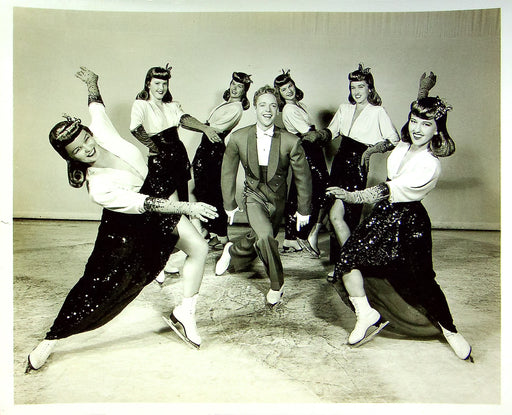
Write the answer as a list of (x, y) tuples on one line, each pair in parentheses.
[(149, 211)]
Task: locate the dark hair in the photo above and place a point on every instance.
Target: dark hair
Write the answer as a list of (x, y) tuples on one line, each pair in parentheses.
[(364, 74), (244, 79), (281, 80), (430, 108), (62, 134), (267, 89), (159, 73)]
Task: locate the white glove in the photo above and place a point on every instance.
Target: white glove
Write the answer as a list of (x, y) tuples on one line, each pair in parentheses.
[(302, 220), (231, 214)]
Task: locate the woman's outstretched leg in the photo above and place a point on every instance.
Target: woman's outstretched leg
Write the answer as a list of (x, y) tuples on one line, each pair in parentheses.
[(315, 230), (196, 222), (366, 316), (340, 227), (196, 249), (341, 231)]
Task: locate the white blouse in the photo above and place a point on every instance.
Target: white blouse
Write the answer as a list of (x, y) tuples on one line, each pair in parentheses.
[(412, 179), (296, 119), (153, 118), (370, 127), (226, 116), (115, 189)]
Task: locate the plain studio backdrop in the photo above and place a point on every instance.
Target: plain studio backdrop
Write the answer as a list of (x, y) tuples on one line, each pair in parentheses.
[(461, 47)]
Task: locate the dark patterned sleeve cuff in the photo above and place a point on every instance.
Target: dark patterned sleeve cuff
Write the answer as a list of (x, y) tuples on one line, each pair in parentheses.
[(95, 98)]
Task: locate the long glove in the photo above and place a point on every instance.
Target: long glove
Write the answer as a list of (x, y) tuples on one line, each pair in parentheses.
[(91, 80), (199, 210), (427, 82), (380, 147), (140, 134), (370, 195), (193, 124), (321, 137)]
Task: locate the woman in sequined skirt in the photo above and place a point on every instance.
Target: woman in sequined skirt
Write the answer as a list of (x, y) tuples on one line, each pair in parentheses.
[(394, 242), (136, 234), (155, 119), (365, 128), (297, 121), (207, 162)]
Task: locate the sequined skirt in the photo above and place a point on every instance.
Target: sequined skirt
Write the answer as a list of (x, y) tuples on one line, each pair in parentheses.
[(129, 252), (207, 166), (395, 243), (348, 173), (319, 181), (346, 170), (394, 237), (319, 173), (169, 170)]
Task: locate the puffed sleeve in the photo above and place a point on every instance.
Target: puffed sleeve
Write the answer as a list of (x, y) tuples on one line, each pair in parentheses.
[(226, 117), (108, 194), (294, 120), (177, 111), (415, 182), (137, 114), (101, 126), (387, 129)]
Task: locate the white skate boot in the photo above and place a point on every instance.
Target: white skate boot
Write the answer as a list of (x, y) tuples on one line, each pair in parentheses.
[(183, 316), (366, 324)]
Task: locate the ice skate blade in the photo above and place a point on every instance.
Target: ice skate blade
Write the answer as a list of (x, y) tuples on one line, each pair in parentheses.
[(29, 368), (370, 334), (275, 306), (306, 247), (181, 336), (290, 250), (469, 357)]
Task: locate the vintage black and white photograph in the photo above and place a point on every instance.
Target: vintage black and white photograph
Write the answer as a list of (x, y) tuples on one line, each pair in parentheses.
[(228, 208)]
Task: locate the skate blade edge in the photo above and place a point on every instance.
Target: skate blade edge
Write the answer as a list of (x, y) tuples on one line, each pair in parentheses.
[(371, 333), (181, 336)]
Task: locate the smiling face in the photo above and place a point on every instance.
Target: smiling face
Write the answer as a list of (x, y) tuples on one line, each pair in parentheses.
[(288, 91), (158, 88), (421, 131), (83, 148), (359, 91), (266, 110), (236, 90)]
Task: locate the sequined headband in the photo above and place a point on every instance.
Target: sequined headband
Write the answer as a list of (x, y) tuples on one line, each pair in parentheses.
[(441, 108), (69, 131), (438, 109)]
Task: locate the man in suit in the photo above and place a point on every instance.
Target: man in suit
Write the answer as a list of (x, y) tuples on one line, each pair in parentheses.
[(266, 153)]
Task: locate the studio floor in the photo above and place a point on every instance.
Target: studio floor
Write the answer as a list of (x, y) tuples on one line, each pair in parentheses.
[(294, 354)]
